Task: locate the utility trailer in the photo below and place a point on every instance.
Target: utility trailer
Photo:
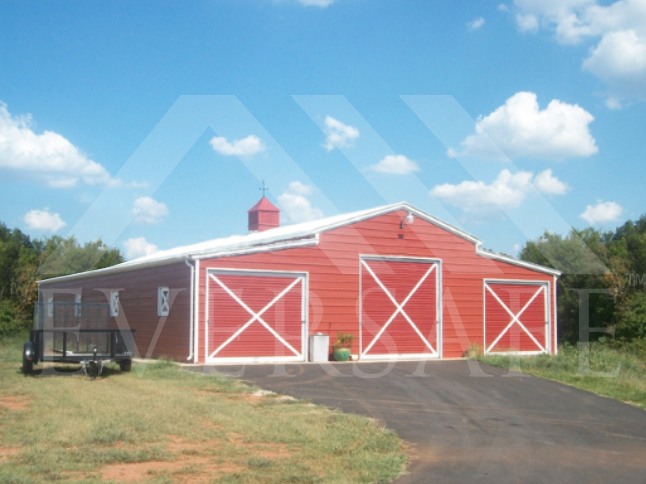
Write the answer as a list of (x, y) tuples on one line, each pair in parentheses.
[(76, 333)]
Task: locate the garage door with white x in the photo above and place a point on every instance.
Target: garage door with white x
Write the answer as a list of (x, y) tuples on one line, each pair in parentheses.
[(399, 308), (516, 317), (259, 316)]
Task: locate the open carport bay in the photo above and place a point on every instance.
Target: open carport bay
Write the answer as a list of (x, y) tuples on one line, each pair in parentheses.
[(488, 429)]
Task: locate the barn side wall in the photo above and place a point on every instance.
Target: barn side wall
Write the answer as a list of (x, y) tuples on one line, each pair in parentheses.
[(138, 297), (333, 267)]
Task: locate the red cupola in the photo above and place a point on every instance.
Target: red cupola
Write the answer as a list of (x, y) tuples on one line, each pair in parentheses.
[(263, 216)]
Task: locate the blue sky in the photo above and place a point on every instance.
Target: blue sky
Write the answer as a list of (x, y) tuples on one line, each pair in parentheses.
[(503, 118)]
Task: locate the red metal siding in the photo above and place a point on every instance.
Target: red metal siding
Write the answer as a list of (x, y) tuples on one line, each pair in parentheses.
[(334, 276), (262, 295), (138, 298), (400, 279)]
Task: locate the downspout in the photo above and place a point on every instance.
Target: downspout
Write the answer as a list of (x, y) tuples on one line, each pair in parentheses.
[(196, 331), (192, 307), (556, 317)]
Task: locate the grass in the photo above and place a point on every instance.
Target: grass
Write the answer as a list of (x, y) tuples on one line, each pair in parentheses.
[(624, 368), (172, 425)]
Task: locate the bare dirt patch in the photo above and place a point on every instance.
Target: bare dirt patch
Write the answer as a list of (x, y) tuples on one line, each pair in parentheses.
[(180, 446), (202, 467), (271, 451), (7, 452), (14, 402), (188, 461)]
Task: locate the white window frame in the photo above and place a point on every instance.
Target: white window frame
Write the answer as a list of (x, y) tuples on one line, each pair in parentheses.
[(77, 306), (50, 307), (163, 301), (114, 303)]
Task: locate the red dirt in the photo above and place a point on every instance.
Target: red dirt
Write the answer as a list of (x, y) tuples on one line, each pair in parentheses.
[(201, 468), (179, 446), (14, 402), (140, 471), (7, 452), (271, 451)]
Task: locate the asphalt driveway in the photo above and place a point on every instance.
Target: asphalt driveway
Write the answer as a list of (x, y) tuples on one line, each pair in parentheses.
[(486, 429)]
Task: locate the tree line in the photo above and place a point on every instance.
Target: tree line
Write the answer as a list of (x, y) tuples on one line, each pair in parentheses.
[(618, 270), (20, 260)]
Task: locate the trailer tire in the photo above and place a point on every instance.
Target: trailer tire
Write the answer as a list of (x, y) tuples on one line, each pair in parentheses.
[(125, 365), (27, 363)]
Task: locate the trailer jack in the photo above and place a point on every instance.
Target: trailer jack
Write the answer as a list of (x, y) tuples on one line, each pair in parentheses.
[(94, 367)]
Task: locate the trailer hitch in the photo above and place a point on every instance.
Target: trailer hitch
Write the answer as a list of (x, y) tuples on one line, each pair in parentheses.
[(94, 367)]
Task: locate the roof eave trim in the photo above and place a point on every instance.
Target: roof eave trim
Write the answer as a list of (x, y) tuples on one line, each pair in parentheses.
[(516, 262), (114, 269), (171, 260), (261, 248), (401, 206)]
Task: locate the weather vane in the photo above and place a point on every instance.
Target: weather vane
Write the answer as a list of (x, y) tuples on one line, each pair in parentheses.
[(264, 188)]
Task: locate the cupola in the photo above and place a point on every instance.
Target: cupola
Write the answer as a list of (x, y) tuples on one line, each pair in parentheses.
[(263, 216)]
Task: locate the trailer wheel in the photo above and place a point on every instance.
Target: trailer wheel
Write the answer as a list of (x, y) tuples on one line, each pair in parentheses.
[(125, 365), (27, 361)]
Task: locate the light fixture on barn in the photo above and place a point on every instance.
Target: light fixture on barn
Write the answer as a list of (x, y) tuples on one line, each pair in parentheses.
[(409, 219)]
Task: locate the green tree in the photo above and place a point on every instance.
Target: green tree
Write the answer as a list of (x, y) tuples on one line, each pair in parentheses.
[(21, 263)]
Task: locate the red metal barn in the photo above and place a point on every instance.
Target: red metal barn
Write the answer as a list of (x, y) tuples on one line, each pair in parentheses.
[(406, 284)]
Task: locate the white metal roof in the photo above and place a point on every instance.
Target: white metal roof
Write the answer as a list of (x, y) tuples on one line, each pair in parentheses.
[(296, 235)]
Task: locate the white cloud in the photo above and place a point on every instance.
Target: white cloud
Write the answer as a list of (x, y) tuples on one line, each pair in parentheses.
[(476, 23), (44, 221), (503, 8), (613, 103), (147, 210), (294, 201), (300, 188), (521, 129), (248, 146), (118, 183), (316, 3), (395, 165), (507, 191), (48, 157), (339, 135), (139, 247), (527, 23), (602, 212), (619, 57), (548, 184)]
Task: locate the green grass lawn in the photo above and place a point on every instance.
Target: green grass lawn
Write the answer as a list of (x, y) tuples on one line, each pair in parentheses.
[(627, 384), (172, 425)]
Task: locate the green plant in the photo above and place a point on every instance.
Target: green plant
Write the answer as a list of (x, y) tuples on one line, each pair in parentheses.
[(473, 351), (573, 365), (10, 323), (343, 340)]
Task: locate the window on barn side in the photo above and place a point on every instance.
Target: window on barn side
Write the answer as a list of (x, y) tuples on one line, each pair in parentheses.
[(77, 305), (50, 307), (114, 303), (163, 301)]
